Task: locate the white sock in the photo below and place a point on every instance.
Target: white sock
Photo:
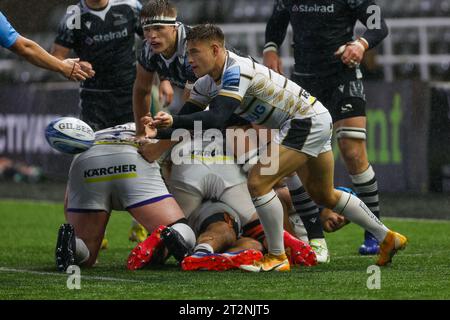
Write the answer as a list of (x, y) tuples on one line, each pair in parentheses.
[(204, 247), (356, 211), (81, 251), (270, 213), (186, 232), (293, 182)]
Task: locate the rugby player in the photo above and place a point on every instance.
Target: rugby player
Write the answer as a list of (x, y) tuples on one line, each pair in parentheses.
[(163, 54), (231, 84), (112, 175), (327, 62), (105, 42), (35, 54), (227, 221)]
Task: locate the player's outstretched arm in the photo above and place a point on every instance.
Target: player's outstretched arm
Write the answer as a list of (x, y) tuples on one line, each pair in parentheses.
[(36, 55), (221, 109), (62, 53), (142, 91)]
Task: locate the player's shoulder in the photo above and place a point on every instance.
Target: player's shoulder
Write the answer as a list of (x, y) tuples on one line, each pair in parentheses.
[(239, 64), (135, 4)]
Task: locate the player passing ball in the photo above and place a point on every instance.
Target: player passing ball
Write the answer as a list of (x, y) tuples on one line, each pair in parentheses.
[(231, 84)]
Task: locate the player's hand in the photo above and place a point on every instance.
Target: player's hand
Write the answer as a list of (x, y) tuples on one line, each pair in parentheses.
[(273, 61), (147, 149), (150, 130), (331, 221), (165, 93), (87, 67), (351, 53), (162, 120), (72, 70)]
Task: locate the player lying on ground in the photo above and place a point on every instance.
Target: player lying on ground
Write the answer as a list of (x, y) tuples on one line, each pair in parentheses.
[(223, 243), (233, 84), (201, 175), (112, 175)]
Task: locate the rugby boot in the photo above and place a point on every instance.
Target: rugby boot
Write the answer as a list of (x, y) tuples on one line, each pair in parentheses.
[(175, 244), (269, 262), (65, 247), (299, 252), (391, 244), (146, 250)]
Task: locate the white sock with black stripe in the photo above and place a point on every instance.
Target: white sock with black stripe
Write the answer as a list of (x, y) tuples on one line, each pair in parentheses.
[(366, 187), (356, 211), (305, 207), (270, 213)]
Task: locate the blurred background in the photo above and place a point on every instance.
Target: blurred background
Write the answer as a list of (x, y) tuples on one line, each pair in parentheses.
[(407, 87)]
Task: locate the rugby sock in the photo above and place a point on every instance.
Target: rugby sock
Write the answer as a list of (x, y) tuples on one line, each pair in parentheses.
[(81, 251), (298, 227), (356, 211), (366, 187), (204, 248), (186, 232), (270, 213), (254, 230), (305, 207)]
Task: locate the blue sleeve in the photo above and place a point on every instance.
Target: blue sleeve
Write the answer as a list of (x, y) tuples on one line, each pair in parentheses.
[(8, 35)]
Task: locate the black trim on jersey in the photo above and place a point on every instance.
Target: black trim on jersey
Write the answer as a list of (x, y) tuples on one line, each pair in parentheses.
[(297, 133), (268, 116), (248, 106), (285, 83), (270, 74), (246, 76), (221, 109)]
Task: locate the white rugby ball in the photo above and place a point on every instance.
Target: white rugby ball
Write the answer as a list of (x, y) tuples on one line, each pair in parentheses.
[(69, 135)]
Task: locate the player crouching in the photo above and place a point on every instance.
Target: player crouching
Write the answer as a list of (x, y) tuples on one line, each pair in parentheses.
[(113, 175)]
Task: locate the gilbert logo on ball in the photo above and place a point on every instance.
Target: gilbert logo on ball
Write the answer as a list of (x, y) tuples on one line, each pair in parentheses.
[(69, 135)]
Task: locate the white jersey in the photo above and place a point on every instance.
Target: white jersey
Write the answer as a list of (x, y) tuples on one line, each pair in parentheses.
[(267, 98)]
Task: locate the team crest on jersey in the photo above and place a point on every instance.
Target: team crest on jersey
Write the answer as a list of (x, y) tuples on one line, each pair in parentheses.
[(88, 24), (119, 19)]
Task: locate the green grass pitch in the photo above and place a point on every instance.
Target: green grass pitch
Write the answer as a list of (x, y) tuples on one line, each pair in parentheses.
[(27, 271)]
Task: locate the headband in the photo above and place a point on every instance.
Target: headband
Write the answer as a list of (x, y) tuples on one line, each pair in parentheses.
[(158, 21)]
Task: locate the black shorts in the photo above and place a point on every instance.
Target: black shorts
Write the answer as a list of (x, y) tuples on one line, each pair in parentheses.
[(104, 109), (342, 94)]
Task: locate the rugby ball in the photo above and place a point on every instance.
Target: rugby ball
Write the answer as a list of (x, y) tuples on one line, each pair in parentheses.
[(69, 135)]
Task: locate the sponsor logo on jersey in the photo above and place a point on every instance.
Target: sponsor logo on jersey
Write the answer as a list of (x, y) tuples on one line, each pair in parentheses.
[(98, 172), (256, 113), (111, 36), (347, 108), (119, 19), (304, 8)]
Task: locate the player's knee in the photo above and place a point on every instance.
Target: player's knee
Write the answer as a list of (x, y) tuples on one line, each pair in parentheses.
[(352, 150), (257, 186), (322, 197)]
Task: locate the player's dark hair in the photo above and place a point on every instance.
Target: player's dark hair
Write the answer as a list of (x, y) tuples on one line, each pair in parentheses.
[(208, 32), (154, 8)]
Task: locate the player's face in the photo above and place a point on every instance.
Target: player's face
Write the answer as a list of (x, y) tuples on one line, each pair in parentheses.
[(161, 38), (201, 57)]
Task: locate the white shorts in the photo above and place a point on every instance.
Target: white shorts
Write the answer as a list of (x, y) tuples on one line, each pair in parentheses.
[(236, 197), (208, 178), (113, 177), (311, 136)]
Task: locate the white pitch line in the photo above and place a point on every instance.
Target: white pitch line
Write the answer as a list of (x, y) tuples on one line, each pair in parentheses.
[(2, 269)]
